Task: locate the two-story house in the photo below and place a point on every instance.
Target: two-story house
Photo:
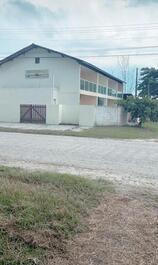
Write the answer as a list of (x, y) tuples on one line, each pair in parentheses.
[(40, 85)]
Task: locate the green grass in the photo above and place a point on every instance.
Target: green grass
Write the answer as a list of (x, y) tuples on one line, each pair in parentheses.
[(38, 211), (148, 131), (13, 251)]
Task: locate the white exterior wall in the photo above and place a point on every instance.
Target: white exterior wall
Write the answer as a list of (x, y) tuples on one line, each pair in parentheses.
[(9, 113), (110, 116), (122, 116), (87, 115), (69, 114), (15, 89), (63, 84), (53, 114), (101, 116)]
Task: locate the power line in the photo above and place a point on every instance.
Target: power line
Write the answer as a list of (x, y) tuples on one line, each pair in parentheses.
[(115, 55), (111, 49), (50, 29), (97, 56), (120, 48), (84, 27), (106, 52), (90, 39), (89, 32)]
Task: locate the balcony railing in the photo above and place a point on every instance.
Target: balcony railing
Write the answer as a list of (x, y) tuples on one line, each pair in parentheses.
[(92, 87)]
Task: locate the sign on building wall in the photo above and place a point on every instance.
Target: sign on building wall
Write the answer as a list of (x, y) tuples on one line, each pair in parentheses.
[(37, 74)]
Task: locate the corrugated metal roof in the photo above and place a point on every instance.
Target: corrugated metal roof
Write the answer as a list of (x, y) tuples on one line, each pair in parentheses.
[(81, 62)]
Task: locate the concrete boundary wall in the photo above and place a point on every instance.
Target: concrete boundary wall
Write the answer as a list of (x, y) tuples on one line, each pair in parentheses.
[(9, 113), (101, 116), (82, 115), (53, 114), (123, 116), (69, 114), (87, 115), (110, 116)]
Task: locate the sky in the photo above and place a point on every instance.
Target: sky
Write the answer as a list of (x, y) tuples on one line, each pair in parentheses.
[(102, 32)]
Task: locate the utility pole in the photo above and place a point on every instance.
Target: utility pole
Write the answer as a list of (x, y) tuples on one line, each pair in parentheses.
[(149, 88), (136, 84), (123, 62)]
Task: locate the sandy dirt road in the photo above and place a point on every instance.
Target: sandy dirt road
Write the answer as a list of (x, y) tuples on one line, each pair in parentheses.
[(132, 162)]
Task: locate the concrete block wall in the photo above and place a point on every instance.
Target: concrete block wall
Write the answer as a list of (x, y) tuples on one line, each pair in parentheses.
[(69, 114), (52, 114), (83, 115), (122, 116), (9, 113), (110, 116), (87, 116)]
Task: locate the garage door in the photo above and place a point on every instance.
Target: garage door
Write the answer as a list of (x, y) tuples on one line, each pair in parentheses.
[(33, 113)]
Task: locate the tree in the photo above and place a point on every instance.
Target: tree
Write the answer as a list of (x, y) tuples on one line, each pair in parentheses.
[(154, 111), (144, 108), (148, 82)]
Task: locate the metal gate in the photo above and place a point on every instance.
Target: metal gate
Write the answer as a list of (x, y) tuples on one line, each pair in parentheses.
[(33, 113)]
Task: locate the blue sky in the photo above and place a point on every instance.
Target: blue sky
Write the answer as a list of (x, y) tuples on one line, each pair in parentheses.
[(83, 28)]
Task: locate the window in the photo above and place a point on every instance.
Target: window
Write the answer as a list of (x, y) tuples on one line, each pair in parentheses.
[(82, 85), (94, 87), (37, 60), (113, 92), (102, 90), (109, 91), (91, 87), (88, 86)]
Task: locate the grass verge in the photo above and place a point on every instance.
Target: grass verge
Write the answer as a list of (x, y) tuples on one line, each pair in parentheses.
[(39, 211), (148, 131)]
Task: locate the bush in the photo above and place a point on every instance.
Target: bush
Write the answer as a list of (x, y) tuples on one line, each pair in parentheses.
[(145, 108)]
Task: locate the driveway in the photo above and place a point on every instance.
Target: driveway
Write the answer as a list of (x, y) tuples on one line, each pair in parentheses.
[(132, 162)]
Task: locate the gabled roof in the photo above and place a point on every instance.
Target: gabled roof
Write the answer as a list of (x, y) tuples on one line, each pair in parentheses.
[(81, 62)]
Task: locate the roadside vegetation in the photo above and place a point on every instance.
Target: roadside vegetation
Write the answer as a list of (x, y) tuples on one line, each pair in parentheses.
[(149, 130), (39, 211), (142, 108)]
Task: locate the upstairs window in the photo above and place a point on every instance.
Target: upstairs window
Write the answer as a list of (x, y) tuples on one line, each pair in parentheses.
[(109, 91), (82, 84), (102, 90), (88, 86), (37, 60)]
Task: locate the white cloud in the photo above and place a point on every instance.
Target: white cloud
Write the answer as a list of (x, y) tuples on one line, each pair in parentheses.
[(36, 20)]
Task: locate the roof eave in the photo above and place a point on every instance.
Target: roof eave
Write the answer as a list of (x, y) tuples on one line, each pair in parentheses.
[(81, 62)]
